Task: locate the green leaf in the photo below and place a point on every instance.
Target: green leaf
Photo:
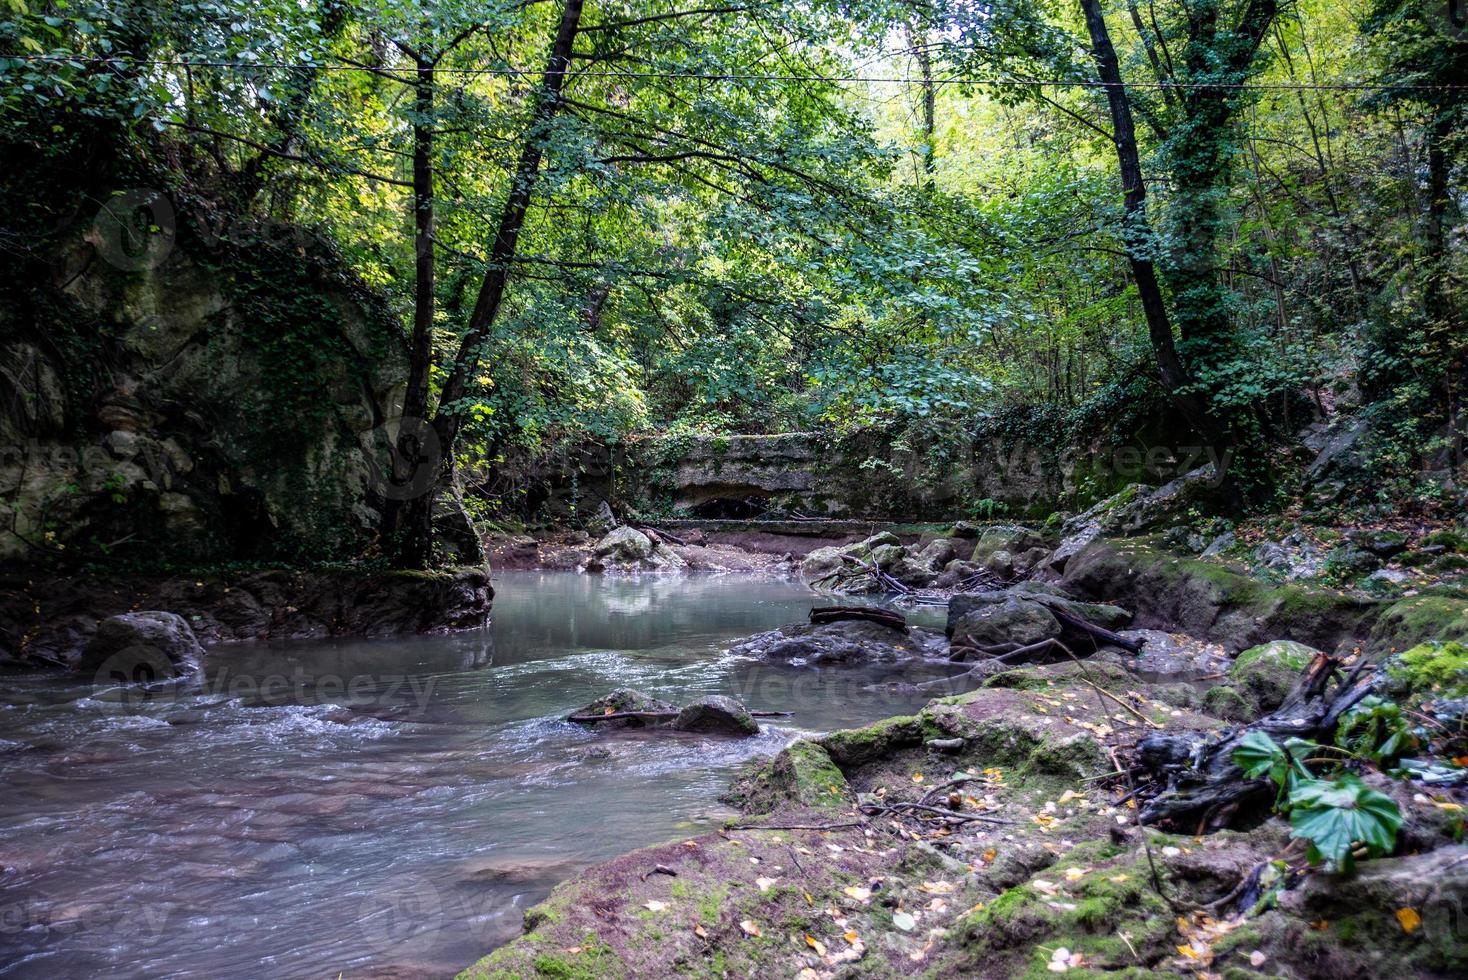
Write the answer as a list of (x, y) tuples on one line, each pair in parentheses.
[(1336, 814)]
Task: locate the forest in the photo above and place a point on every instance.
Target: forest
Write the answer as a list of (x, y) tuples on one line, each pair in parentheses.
[(1110, 352)]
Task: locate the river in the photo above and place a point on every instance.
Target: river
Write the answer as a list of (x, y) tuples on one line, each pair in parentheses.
[(379, 807)]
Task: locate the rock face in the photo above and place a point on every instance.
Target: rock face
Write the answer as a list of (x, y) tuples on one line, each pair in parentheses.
[(1216, 603), (1136, 508), (141, 646), (845, 642), (716, 715), (245, 410), (49, 621)]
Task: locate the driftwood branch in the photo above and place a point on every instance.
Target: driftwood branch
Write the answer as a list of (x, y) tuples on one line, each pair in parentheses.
[(1197, 783), (870, 614)]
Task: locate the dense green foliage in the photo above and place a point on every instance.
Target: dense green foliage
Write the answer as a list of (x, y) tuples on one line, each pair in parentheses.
[(744, 221)]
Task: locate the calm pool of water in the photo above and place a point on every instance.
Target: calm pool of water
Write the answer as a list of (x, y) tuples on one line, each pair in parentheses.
[(385, 807)]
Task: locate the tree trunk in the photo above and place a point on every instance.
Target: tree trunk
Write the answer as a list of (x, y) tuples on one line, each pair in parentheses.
[(1444, 320), (409, 454), (919, 42), (417, 523), (1137, 232)]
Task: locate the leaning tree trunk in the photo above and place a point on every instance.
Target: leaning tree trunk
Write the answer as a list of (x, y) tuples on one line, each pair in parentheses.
[(416, 548), (1137, 232)]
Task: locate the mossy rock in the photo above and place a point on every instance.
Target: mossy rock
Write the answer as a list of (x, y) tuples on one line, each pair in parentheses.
[(1229, 703), (1420, 619), (861, 746), (1435, 670), (802, 774), (1447, 538), (1213, 601), (1270, 671)]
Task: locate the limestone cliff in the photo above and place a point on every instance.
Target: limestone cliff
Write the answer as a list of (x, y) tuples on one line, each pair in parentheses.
[(188, 397)]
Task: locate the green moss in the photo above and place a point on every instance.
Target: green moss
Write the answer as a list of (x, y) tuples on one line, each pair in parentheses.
[(1455, 541), (802, 773), (1419, 619), (1028, 921), (859, 746), (1229, 703), (1438, 669), (592, 960)]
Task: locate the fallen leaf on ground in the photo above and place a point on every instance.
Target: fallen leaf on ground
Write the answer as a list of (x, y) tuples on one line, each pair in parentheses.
[(1409, 919), (750, 928), (903, 921), (857, 892), (655, 906)]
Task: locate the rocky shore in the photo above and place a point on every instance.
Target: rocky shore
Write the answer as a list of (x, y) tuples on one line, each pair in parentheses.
[(1027, 824), (48, 621)]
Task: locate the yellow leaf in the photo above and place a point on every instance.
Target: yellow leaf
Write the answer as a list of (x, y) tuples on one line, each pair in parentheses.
[(850, 936), (816, 945), (989, 855), (1409, 919), (1188, 952), (750, 928), (857, 892), (917, 777)]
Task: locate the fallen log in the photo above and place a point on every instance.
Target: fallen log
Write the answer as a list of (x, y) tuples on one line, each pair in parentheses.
[(870, 614), (1091, 629), (657, 716), (1202, 788), (654, 533)]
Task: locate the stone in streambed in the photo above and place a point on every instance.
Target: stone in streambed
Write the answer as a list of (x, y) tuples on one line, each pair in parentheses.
[(716, 715), (625, 544), (1269, 672), (842, 642), (141, 646), (999, 618), (626, 699)]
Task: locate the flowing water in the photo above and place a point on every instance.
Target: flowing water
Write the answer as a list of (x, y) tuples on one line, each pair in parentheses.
[(379, 807)]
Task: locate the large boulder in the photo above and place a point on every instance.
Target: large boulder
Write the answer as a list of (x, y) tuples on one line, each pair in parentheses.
[(140, 647), (822, 563), (1134, 509), (994, 618), (716, 715), (1011, 538), (1269, 671), (625, 544), (843, 642), (1026, 613), (936, 554)]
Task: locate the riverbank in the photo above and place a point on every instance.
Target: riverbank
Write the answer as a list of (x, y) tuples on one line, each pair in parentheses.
[(996, 833)]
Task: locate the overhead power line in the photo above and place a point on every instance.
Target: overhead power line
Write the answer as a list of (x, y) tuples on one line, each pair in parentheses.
[(999, 81)]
